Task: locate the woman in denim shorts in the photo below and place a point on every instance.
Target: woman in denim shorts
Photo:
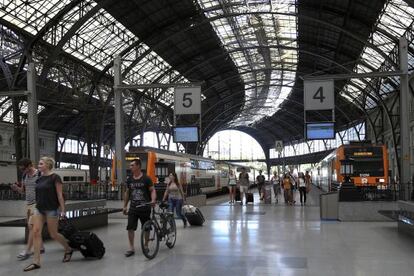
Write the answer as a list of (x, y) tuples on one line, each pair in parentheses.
[(49, 205)]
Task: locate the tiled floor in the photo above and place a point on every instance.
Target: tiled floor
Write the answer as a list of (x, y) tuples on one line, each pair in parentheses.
[(239, 240)]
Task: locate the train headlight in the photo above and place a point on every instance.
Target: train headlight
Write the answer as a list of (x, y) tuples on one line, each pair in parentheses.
[(382, 180)]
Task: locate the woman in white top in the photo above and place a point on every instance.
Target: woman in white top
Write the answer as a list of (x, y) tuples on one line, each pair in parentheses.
[(276, 185), (176, 197), (232, 186), (302, 188)]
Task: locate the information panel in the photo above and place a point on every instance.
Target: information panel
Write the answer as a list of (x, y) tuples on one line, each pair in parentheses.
[(316, 131), (185, 134), (319, 95), (187, 100)]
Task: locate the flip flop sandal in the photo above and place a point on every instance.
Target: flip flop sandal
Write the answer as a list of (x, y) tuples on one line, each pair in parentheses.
[(67, 256), (31, 267), (129, 253)]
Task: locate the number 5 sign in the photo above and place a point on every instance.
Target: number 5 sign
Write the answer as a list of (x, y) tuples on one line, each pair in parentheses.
[(319, 95), (187, 100)]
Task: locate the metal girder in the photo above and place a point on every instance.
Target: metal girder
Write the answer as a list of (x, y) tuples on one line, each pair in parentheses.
[(58, 48), (354, 76), (14, 93), (6, 71), (158, 85)]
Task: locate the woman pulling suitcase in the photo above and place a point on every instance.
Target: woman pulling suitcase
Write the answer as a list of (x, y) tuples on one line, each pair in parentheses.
[(176, 197)]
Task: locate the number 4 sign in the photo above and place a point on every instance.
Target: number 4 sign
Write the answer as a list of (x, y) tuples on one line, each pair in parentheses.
[(319, 95), (187, 100)]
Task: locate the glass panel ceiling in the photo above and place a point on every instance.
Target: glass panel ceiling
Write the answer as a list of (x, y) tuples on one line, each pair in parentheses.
[(7, 114), (396, 19), (260, 36), (97, 42)]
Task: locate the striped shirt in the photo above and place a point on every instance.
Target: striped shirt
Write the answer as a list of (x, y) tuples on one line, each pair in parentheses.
[(30, 184)]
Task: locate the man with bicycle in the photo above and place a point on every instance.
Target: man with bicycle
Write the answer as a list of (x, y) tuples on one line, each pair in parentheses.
[(140, 190)]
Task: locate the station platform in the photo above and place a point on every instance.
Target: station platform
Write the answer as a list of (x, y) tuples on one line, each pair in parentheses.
[(259, 239)]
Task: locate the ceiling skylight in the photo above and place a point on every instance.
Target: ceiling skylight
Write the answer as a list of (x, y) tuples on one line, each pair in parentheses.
[(260, 36)]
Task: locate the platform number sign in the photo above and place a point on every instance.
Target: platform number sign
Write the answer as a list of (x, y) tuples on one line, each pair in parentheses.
[(279, 145), (187, 100), (319, 95)]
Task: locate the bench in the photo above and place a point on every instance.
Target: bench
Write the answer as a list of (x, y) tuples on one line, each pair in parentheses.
[(404, 218), (82, 214), (391, 214)]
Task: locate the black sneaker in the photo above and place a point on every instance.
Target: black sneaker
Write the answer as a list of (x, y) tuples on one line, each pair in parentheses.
[(129, 253)]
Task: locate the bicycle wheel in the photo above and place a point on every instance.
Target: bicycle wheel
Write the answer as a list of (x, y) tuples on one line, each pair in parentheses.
[(171, 233), (149, 239)]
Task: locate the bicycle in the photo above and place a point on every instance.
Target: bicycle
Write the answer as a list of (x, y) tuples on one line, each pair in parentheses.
[(161, 226)]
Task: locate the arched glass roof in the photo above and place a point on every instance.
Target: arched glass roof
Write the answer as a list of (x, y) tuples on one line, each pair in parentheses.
[(250, 56), (262, 45), (96, 42), (395, 21)]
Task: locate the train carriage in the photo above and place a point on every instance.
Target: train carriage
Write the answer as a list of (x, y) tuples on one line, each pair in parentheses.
[(370, 166), (209, 174)]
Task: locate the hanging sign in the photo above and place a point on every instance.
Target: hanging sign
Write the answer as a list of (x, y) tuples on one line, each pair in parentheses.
[(279, 145), (187, 100), (318, 95)]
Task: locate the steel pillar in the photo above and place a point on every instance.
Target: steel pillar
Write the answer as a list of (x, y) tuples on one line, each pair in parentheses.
[(404, 123), (119, 124), (32, 124)]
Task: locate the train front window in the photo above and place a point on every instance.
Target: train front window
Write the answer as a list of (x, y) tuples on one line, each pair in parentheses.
[(368, 167)]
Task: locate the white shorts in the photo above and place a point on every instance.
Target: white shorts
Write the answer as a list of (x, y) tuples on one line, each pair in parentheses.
[(244, 189)]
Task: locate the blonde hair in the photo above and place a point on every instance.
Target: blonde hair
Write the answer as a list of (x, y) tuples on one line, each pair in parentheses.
[(49, 161)]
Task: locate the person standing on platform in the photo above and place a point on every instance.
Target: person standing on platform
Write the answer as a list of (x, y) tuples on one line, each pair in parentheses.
[(232, 187), (308, 181), (294, 187), (27, 186), (49, 201), (302, 188), (176, 198), (141, 192), (260, 180), (287, 189), (276, 185), (244, 183)]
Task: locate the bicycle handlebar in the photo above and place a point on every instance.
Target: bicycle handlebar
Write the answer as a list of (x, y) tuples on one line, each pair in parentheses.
[(161, 204)]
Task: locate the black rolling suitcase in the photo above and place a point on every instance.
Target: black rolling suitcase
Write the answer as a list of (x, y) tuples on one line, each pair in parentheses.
[(66, 228), (237, 197), (88, 244), (249, 197), (195, 218)]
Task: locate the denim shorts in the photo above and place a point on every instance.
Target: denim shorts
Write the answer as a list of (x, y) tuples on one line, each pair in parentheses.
[(47, 213)]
